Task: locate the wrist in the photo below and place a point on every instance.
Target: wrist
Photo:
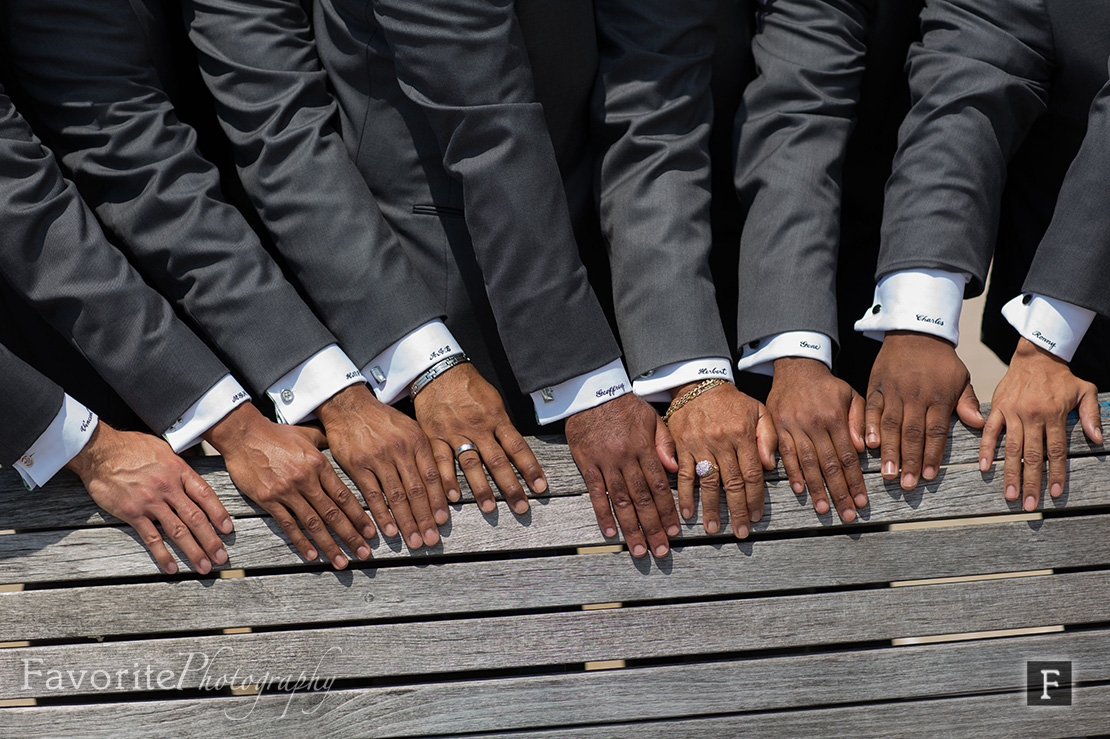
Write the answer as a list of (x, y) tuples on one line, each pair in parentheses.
[(691, 394), (85, 460), (801, 367), (1027, 351), (916, 338), (233, 427), (350, 399)]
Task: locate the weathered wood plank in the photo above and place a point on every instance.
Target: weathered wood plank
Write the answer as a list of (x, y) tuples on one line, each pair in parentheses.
[(722, 687), (68, 505), (547, 582), (423, 648), (1004, 715), (43, 556)]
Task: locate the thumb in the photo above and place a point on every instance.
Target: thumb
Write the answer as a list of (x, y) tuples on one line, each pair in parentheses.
[(766, 440), (1090, 416), (967, 408), (855, 421), (664, 446)]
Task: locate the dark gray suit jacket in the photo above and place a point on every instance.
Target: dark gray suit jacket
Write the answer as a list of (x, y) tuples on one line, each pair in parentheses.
[(28, 403), (55, 258), (260, 63), (87, 71), (441, 115)]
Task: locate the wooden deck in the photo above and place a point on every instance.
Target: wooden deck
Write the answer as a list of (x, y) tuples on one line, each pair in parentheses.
[(519, 626)]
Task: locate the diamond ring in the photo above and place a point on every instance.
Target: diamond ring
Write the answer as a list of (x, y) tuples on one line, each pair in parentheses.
[(705, 468)]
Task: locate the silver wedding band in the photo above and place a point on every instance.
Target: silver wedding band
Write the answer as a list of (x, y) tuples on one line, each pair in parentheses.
[(705, 468), (465, 448)]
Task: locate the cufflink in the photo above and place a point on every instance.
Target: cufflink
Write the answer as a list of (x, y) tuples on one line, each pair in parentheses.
[(649, 373), (26, 461), (754, 344), (548, 395), (176, 424), (287, 395), (1026, 299), (875, 309), (379, 376)]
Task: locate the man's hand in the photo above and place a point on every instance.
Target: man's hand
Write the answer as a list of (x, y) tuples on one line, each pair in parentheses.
[(916, 382), (614, 446), (819, 419), (280, 468), (138, 479), (385, 451), (459, 407), (733, 432), (1032, 403)]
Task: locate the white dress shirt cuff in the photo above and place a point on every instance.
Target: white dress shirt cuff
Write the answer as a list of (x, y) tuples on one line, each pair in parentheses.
[(924, 300), (391, 372), (654, 385), (203, 414), (759, 356), (310, 383), (581, 393), (63, 439), (1051, 324)]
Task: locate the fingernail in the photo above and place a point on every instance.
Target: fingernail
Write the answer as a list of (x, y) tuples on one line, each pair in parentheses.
[(610, 532), (872, 439), (363, 552), (390, 529), (539, 485), (225, 526), (221, 556), (861, 501), (1057, 488), (908, 481), (440, 517), (661, 550), (673, 530), (312, 555), (1030, 503), (1011, 492), (453, 495), (929, 473), (741, 531), (171, 568), (712, 527), (368, 531), (415, 542), (798, 488), (821, 506), (984, 464), (755, 515), (847, 515), (204, 565), (521, 507), (339, 562), (639, 550), (889, 470), (487, 506), (431, 536), (687, 513)]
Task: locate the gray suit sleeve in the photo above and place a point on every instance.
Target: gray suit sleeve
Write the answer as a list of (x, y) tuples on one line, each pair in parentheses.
[(464, 63), (91, 79), (792, 133), (979, 80), (1072, 262), (28, 403), (260, 63), (652, 113), (56, 258)]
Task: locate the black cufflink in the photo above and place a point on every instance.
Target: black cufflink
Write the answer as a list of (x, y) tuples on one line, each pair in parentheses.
[(1026, 299), (754, 345), (876, 309)]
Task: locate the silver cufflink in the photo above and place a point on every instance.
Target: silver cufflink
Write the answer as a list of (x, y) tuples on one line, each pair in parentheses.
[(379, 376), (649, 373), (287, 395), (548, 395), (26, 461)]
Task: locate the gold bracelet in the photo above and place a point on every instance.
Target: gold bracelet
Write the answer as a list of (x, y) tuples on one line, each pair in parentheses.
[(690, 394)]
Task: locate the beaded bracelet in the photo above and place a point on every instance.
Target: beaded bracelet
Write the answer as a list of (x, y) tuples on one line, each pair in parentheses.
[(690, 394)]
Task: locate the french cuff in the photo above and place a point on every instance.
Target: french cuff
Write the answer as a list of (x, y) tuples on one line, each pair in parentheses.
[(759, 356), (581, 393), (654, 385), (310, 383), (202, 415), (63, 440), (1051, 324), (391, 372), (924, 300)]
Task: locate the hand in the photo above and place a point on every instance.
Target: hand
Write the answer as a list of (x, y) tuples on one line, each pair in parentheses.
[(280, 468), (1032, 403), (614, 445), (459, 407), (820, 424), (383, 450), (735, 433), (916, 382), (137, 478)]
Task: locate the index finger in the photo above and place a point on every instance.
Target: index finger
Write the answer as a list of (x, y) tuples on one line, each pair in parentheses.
[(203, 495)]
